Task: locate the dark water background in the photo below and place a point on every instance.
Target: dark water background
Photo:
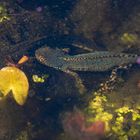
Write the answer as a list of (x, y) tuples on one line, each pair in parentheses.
[(98, 24)]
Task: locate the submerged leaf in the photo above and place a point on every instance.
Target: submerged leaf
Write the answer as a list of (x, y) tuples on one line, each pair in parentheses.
[(13, 79)]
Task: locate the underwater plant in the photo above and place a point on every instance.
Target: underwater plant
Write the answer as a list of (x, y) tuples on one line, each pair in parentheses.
[(39, 79), (122, 121), (3, 14), (129, 38)]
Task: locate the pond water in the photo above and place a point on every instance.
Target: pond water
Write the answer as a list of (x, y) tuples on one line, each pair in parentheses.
[(69, 104)]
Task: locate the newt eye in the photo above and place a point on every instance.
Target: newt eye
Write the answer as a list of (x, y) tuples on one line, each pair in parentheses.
[(41, 59)]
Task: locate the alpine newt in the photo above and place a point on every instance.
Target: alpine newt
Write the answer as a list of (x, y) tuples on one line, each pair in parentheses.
[(94, 61)]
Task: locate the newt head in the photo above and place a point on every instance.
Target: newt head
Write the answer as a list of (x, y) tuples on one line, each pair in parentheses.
[(50, 56)]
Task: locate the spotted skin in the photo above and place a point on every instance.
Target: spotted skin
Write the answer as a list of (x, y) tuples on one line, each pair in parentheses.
[(95, 61)]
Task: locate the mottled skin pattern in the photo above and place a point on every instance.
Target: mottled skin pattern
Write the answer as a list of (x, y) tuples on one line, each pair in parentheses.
[(95, 61)]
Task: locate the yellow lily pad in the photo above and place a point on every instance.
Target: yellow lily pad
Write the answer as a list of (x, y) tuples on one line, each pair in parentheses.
[(15, 80)]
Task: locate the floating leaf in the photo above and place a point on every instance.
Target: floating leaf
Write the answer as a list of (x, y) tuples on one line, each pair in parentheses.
[(13, 79)]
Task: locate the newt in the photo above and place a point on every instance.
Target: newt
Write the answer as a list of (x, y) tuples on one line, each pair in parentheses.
[(96, 61)]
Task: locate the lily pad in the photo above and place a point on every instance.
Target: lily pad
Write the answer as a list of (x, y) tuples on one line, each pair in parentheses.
[(15, 80)]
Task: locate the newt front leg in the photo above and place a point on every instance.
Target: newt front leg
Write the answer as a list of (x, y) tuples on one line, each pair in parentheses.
[(78, 81)]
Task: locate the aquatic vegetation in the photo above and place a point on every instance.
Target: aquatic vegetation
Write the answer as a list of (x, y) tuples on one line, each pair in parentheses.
[(10, 62), (23, 135), (23, 60), (38, 79), (15, 80), (121, 121), (126, 116), (84, 16), (129, 38), (3, 14), (76, 127), (96, 106)]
